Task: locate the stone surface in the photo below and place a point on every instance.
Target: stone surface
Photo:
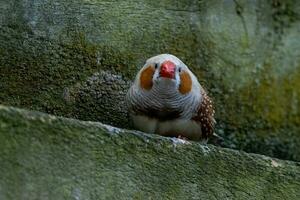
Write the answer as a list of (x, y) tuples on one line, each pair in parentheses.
[(55, 54), (48, 157)]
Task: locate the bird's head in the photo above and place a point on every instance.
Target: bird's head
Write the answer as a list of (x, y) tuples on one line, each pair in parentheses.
[(166, 73)]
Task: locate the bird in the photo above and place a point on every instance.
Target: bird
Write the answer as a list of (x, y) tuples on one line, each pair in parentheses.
[(166, 98)]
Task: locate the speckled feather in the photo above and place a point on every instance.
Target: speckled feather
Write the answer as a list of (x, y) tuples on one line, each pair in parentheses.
[(205, 116)]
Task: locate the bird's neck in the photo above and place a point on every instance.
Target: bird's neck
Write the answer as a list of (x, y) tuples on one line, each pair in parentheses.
[(165, 104)]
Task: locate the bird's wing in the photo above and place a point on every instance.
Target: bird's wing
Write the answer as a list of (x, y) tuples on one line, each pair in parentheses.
[(205, 116)]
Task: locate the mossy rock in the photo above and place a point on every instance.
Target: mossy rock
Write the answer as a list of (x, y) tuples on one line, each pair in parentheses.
[(55, 56), (47, 157)]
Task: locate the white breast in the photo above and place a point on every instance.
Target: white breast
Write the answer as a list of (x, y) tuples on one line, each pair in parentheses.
[(183, 127)]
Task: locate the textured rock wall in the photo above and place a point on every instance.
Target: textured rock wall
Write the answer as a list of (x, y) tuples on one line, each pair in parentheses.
[(48, 157), (76, 59)]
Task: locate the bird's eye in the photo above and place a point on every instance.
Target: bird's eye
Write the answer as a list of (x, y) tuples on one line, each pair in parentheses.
[(179, 69), (156, 65)]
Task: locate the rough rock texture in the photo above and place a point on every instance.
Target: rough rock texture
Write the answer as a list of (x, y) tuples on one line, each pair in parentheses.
[(48, 157), (245, 52), (102, 95)]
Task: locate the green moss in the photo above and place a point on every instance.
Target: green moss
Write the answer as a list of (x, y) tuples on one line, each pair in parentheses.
[(269, 100), (270, 110), (49, 157), (38, 71), (283, 15)]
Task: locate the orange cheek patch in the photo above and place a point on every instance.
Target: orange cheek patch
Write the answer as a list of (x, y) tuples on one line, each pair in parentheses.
[(146, 78), (185, 83)]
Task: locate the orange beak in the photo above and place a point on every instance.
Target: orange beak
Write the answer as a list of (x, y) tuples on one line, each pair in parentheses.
[(167, 70)]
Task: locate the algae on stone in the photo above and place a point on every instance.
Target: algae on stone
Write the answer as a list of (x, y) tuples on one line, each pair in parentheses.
[(47, 157)]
